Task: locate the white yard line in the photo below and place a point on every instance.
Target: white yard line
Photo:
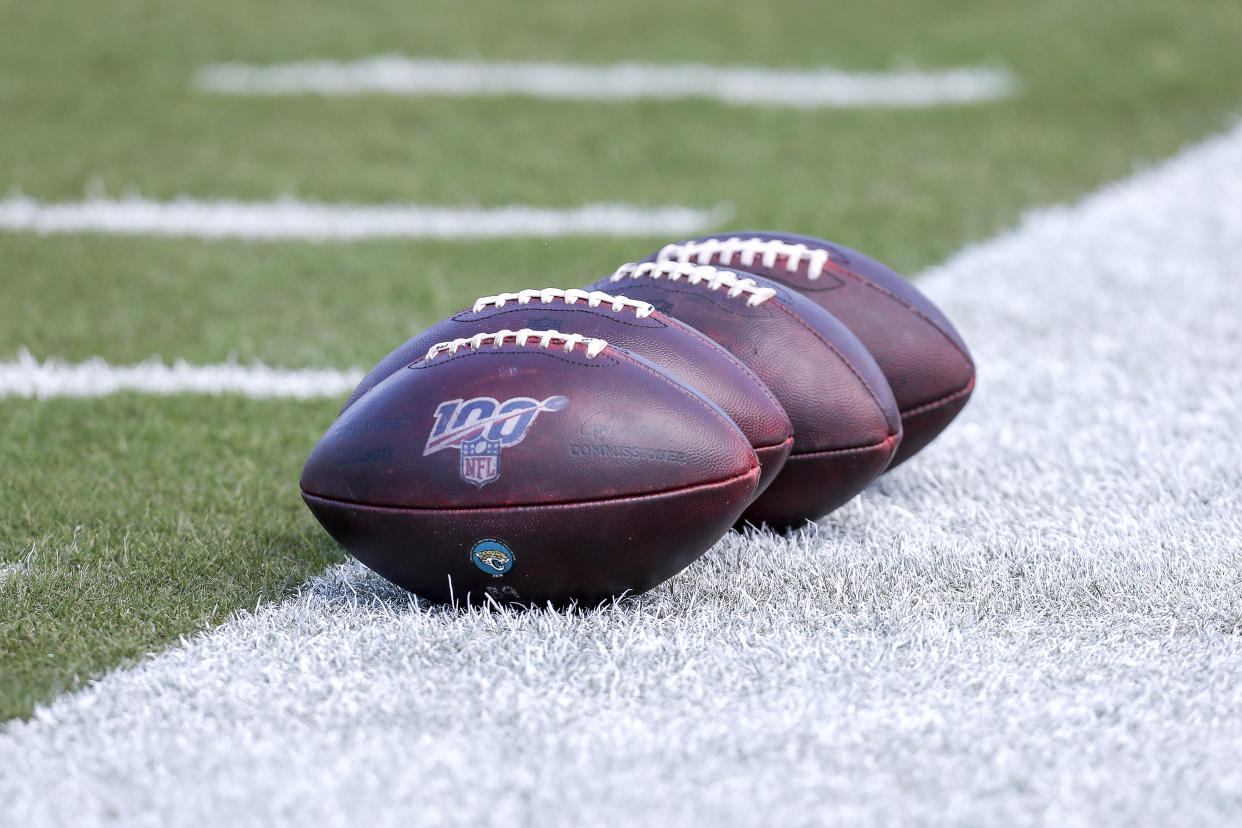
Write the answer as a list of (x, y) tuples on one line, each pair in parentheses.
[(1036, 620), (737, 85), (28, 377), (293, 219)]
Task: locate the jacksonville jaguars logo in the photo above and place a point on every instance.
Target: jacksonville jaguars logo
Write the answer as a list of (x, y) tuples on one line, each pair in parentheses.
[(492, 556), (480, 427)]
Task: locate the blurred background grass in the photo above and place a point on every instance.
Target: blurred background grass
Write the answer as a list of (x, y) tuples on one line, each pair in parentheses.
[(101, 98)]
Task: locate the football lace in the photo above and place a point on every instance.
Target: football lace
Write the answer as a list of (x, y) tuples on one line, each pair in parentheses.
[(544, 339), (697, 274), (743, 252), (593, 298)]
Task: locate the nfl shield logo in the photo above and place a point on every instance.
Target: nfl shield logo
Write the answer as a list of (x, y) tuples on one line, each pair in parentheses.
[(481, 426), (480, 460)]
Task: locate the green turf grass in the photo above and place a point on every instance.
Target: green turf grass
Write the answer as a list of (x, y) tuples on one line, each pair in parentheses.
[(1103, 88), (130, 520), (100, 96)]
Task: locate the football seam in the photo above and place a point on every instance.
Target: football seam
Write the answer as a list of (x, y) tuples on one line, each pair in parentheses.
[(543, 306), (691, 289), (947, 398), (725, 352), (691, 393), (850, 450), (753, 471), (914, 309), (839, 269), (466, 352), (787, 441), (894, 428)]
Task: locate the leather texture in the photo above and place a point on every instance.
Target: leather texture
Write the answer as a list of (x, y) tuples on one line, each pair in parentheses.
[(583, 552), (802, 484), (673, 346), (834, 393), (924, 358), (619, 478)]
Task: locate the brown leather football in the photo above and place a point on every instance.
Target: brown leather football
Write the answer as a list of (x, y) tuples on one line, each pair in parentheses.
[(640, 329), (845, 420), (529, 467), (924, 358)]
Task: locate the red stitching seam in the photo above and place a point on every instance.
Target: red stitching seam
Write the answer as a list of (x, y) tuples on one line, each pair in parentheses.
[(874, 397), (752, 472), (746, 369), (786, 442), (854, 450), (925, 407)]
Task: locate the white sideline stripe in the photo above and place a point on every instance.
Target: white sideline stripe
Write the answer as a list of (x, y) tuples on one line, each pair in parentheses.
[(30, 378), (737, 85), (292, 219), (1034, 621)]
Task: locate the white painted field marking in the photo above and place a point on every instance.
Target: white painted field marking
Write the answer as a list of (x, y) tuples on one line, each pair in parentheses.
[(1036, 620), (737, 85), (8, 571), (292, 219), (28, 377)]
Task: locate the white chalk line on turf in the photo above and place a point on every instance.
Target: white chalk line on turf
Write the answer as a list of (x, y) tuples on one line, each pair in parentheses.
[(8, 571), (290, 218), (737, 85), (30, 378)]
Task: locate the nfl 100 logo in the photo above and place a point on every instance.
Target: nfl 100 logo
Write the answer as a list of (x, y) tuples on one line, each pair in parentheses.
[(481, 426)]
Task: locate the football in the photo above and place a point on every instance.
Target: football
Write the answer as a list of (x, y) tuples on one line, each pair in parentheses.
[(637, 327), (529, 467), (845, 421), (927, 363)]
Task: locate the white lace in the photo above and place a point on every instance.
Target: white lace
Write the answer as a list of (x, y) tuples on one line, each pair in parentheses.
[(520, 338), (695, 274), (593, 298), (724, 251)]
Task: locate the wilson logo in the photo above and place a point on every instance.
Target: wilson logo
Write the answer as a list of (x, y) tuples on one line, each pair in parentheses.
[(480, 427)]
